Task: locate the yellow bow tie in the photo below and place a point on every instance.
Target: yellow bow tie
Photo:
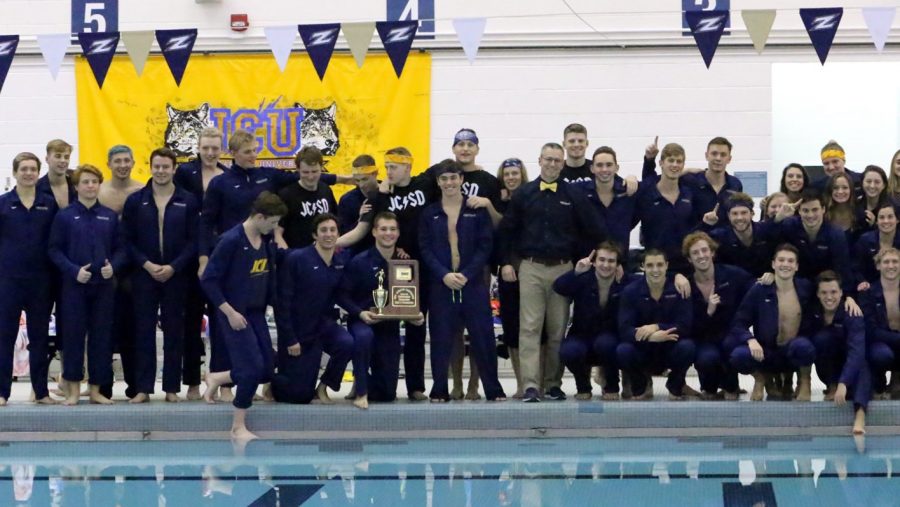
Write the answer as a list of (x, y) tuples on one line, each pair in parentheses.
[(548, 186)]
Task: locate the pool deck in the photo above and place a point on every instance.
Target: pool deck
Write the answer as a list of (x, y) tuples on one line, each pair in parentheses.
[(21, 420), (458, 419)]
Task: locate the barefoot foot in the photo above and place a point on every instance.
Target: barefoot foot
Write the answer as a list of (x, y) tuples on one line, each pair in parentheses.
[(193, 393), (99, 399), (172, 398), (212, 388), (140, 398), (361, 402), (322, 394), (226, 394), (242, 434)]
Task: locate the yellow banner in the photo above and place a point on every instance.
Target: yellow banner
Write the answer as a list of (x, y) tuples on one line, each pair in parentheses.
[(353, 111)]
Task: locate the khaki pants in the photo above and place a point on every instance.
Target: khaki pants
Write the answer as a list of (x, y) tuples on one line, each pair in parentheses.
[(540, 307)]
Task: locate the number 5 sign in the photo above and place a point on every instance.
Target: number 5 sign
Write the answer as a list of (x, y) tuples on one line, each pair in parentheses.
[(95, 16)]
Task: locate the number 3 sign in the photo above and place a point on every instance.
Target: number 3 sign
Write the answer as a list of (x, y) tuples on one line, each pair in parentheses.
[(95, 16)]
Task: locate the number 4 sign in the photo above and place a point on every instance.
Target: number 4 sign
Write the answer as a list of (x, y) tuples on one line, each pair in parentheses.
[(93, 16)]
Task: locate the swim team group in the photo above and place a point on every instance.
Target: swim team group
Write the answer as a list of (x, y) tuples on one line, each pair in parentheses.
[(815, 281)]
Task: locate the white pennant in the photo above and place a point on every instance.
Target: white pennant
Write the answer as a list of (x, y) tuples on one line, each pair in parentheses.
[(470, 31), (281, 39), (53, 47), (879, 20)]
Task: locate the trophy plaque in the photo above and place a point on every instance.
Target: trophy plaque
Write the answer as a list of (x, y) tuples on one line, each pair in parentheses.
[(399, 299)]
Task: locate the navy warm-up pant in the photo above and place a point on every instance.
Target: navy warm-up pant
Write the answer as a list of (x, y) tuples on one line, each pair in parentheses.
[(296, 378), (86, 310), (578, 353), (797, 353), (450, 312), (376, 359), (250, 351), (168, 299), (713, 367), (35, 298), (123, 333), (636, 358), (195, 306), (882, 359), (414, 345)]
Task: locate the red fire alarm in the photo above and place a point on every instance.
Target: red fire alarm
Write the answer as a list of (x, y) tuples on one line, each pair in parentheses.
[(239, 22)]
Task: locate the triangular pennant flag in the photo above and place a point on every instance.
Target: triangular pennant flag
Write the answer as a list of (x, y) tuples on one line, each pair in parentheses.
[(759, 25), (281, 39), (822, 25), (53, 47), (319, 41), (359, 36), (138, 46), (176, 46), (397, 38), (8, 45), (99, 49), (470, 31), (707, 27), (879, 20)]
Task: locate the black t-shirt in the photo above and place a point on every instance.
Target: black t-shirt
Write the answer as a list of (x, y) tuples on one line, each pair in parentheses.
[(303, 206), (407, 203), (481, 183), (571, 174)]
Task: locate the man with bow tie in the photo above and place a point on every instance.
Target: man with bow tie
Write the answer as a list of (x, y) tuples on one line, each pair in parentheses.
[(542, 226)]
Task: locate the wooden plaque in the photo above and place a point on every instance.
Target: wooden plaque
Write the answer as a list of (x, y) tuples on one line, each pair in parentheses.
[(403, 291)]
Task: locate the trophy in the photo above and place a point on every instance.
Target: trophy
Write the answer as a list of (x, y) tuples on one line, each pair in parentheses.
[(400, 299), (379, 295)]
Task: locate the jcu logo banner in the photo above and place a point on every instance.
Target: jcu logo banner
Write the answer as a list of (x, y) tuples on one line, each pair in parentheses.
[(353, 111)]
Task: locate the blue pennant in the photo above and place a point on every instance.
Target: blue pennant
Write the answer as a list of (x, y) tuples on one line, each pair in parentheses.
[(176, 46), (822, 25), (8, 45), (707, 28), (319, 41), (99, 48), (397, 38)]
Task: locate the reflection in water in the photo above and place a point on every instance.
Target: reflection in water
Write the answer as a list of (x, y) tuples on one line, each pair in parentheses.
[(438, 473)]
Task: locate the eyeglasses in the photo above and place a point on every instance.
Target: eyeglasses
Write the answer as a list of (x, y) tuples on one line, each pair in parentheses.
[(551, 160)]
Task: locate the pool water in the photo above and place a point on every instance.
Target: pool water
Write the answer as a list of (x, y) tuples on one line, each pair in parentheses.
[(714, 471)]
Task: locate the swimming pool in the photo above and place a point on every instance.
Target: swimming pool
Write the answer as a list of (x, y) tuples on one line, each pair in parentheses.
[(730, 471)]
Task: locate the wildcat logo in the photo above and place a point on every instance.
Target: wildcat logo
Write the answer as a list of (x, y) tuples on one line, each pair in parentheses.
[(824, 22), (320, 129), (103, 46), (7, 47), (183, 129), (710, 24), (399, 34), (260, 266), (322, 38), (179, 43)]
